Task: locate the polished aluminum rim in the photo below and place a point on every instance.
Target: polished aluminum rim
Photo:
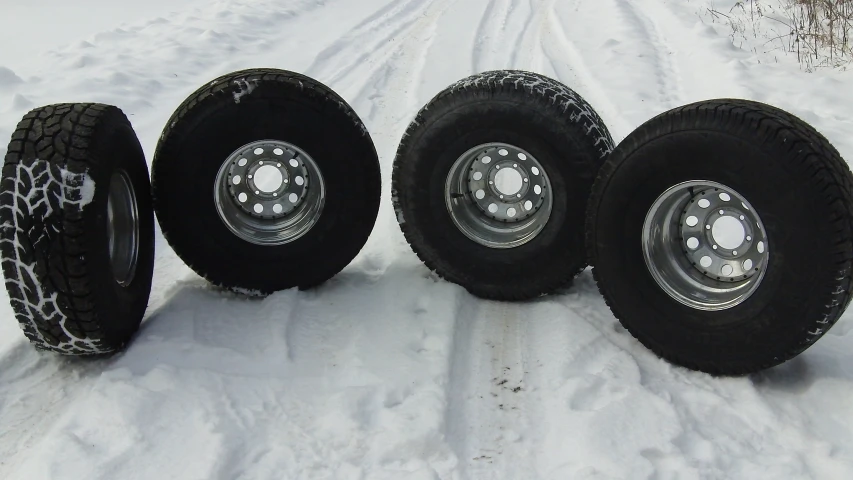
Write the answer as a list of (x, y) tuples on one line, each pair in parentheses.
[(705, 245), (269, 192), (498, 195), (122, 228)]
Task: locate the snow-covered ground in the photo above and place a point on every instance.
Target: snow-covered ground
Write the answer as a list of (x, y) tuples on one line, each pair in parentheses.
[(386, 372)]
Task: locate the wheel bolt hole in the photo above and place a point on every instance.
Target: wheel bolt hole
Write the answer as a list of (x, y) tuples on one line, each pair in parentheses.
[(522, 156), (236, 180), (691, 221), (493, 208), (760, 247), (705, 261), (727, 270), (704, 203), (534, 170), (242, 162), (293, 163), (693, 243), (242, 197), (503, 152), (486, 160), (478, 175), (537, 189), (480, 194), (510, 212), (725, 197), (293, 198), (747, 264), (258, 208), (259, 151)]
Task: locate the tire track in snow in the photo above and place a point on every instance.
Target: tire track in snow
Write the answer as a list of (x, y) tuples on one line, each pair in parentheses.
[(668, 75), (403, 64), (567, 62), (488, 413), (528, 36), (491, 31), (370, 42), (477, 53)]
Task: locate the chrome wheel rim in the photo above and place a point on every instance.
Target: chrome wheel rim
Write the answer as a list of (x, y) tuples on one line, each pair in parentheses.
[(122, 228), (705, 245), (498, 195), (269, 192)]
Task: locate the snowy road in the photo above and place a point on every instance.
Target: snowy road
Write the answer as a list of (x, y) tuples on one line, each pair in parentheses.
[(385, 372)]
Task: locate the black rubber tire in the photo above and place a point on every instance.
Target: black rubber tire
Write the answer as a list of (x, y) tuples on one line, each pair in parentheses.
[(525, 109), (260, 104), (801, 189), (54, 239)]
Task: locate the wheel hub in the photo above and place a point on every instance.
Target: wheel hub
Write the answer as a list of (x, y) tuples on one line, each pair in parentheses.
[(721, 237), (267, 182), (705, 245), (498, 195), (500, 183), (269, 192)]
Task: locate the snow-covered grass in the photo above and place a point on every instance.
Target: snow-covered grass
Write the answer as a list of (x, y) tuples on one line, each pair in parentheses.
[(818, 33), (386, 372)]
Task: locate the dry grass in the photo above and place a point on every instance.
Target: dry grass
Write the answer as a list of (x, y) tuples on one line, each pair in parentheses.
[(819, 32)]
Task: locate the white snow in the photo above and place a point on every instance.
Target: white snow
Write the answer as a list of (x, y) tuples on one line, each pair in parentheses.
[(386, 372)]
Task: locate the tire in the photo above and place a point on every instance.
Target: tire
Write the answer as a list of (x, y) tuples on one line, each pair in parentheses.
[(77, 275), (530, 117), (289, 114), (792, 181)]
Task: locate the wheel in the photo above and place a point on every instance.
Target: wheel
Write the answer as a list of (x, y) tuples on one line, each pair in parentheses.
[(77, 235), (721, 235), (490, 183), (265, 180)]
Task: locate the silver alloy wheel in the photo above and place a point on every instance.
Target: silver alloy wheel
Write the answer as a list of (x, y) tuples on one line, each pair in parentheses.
[(498, 195), (122, 227), (705, 245), (269, 192)]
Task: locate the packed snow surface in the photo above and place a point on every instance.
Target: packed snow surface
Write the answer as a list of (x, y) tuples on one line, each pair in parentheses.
[(386, 372)]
